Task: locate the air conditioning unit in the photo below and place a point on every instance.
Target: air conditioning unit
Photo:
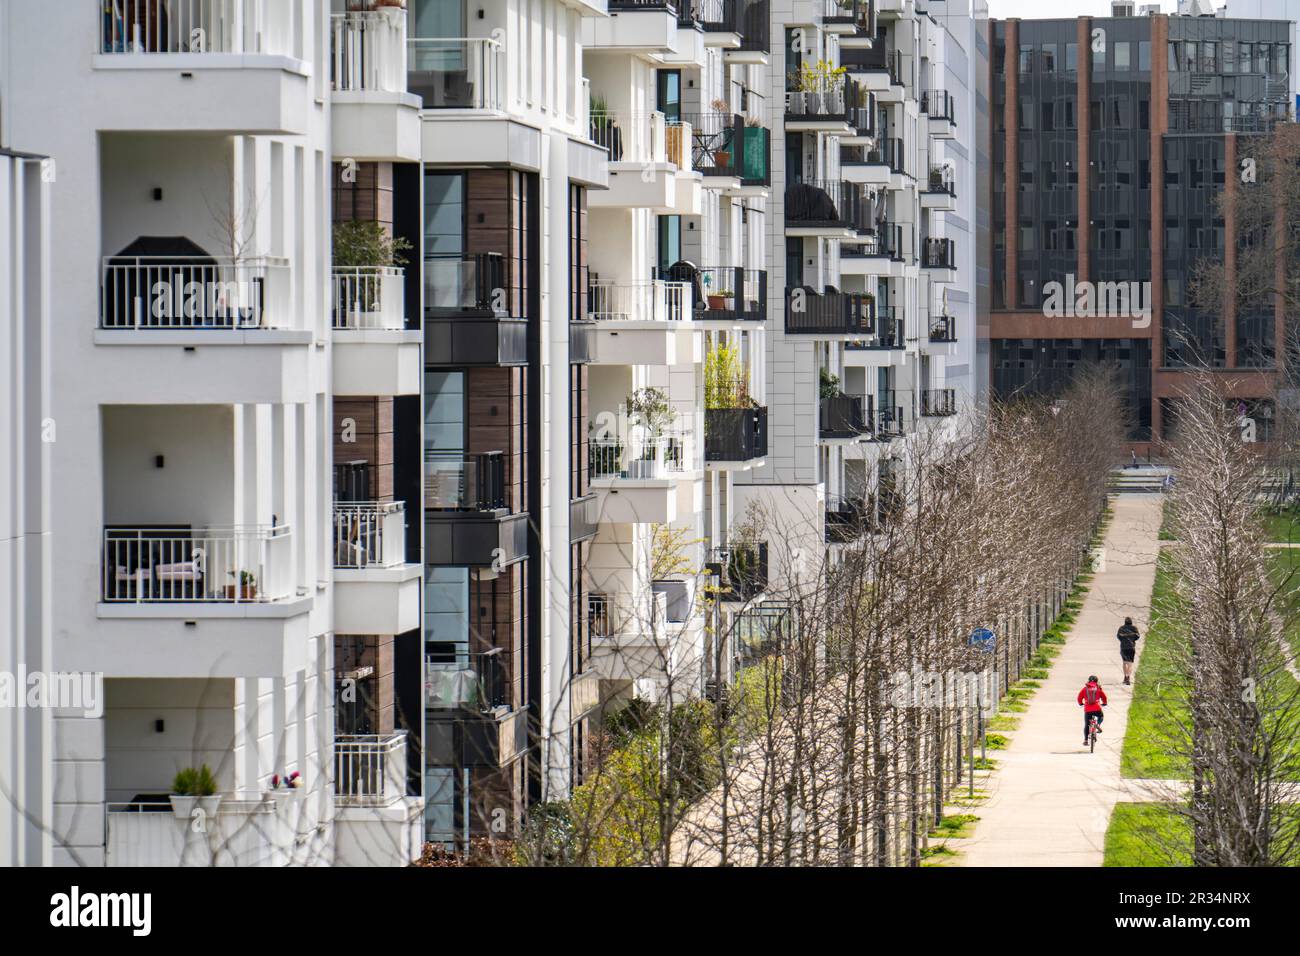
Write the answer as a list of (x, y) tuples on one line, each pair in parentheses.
[(1121, 9), (1149, 10)]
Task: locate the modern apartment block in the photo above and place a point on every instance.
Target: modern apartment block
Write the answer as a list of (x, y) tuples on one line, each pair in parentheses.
[(230, 534), (1113, 138), (874, 245), (26, 733)]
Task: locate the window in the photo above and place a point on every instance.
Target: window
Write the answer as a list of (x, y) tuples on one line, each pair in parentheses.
[(1068, 108), (670, 242), (1049, 117), (668, 95), (1281, 57), (1243, 57), (1122, 55), (1099, 59), (1071, 57), (1026, 115), (1175, 56), (1049, 58), (1026, 58), (1144, 114), (1261, 57), (1144, 56)]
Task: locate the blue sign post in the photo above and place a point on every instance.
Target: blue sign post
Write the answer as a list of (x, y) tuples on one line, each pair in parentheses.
[(984, 639)]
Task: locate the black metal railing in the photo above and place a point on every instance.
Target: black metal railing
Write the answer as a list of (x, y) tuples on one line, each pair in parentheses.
[(849, 520), (887, 152), (943, 328), (855, 12), (936, 402), (832, 312), (875, 60), (941, 181), (584, 518), (669, 5), (721, 16), (725, 144), (891, 418), (472, 282), (938, 254), (845, 416), (833, 202), (732, 294), (735, 434), (831, 98), (741, 570), (885, 241), (939, 104), (755, 25), (454, 481), (477, 681)]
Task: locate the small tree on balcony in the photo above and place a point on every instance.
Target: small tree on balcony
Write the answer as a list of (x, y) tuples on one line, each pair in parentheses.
[(724, 379), (365, 243)]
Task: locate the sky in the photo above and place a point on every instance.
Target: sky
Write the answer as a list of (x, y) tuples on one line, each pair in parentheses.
[(1062, 9)]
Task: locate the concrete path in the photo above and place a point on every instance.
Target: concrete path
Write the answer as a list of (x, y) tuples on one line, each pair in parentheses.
[(1050, 800)]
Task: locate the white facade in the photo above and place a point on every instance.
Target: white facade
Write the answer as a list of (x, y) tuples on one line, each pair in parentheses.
[(194, 530)]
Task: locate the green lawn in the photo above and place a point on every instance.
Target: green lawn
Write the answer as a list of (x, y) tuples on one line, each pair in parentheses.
[(1166, 530), (1284, 565), (1283, 525), (1147, 834)]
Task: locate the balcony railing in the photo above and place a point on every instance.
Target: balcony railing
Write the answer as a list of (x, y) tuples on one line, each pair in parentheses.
[(887, 152), (891, 418), (941, 181), (939, 105), (584, 518), (939, 254), (888, 332), (735, 434), (938, 402), (831, 98), (943, 328), (454, 481), (368, 51), (194, 26), (755, 25), (172, 563), (875, 60), (369, 769), (856, 12), (369, 534), (741, 570), (456, 72), (722, 144), (475, 682), (833, 203), (884, 240), (845, 416), (638, 136), (828, 313), (195, 292), (733, 294), (655, 300), (475, 282), (369, 297), (636, 458), (849, 520)]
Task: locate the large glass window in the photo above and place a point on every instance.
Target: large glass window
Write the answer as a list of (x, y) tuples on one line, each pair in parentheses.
[(444, 412), (444, 214), (446, 612), (670, 241)]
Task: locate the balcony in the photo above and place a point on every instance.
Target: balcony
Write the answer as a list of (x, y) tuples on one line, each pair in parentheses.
[(373, 116), (195, 293), (369, 769), (850, 520), (943, 330), (877, 164), (636, 476), (166, 564), (467, 512), (888, 333), (741, 570), (375, 590), (474, 694), (847, 17), (938, 402), (584, 518), (642, 323), (456, 73), (645, 154), (824, 104), (864, 34), (941, 109), (754, 17), (634, 26), (722, 22), (236, 57), (939, 254), (735, 435), (940, 193), (829, 209), (891, 417), (374, 354), (582, 342), (721, 302), (728, 146), (845, 417), (246, 830), (830, 314), (881, 254), (465, 319), (878, 69)]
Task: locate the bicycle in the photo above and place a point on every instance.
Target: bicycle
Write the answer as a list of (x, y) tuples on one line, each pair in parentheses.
[(1092, 734)]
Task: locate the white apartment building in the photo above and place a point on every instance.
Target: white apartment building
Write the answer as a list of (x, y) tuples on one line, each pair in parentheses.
[(26, 732), (205, 570), (875, 247)]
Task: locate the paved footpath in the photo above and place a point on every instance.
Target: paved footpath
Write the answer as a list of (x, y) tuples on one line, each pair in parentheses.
[(1050, 800)]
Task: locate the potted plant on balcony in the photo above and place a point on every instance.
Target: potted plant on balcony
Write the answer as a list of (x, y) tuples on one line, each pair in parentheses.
[(829, 384), (360, 246), (194, 787), (284, 787), (649, 409), (246, 589)]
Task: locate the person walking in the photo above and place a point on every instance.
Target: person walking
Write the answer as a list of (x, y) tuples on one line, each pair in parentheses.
[(1128, 637)]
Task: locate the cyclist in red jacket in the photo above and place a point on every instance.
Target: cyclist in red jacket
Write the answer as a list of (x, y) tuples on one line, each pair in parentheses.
[(1092, 699)]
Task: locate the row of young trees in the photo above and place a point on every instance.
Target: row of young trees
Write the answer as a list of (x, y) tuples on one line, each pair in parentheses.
[(841, 743)]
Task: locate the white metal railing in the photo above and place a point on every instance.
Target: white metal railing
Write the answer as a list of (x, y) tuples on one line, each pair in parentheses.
[(632, 136), (655, 300), (195, 292), (638, 457), (168, 563), (194, 26), (368, 51), (369, 769), (369, 297), (369, 533), (456, 72)]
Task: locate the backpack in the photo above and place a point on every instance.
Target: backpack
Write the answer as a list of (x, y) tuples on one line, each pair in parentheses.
[(1090, 693)]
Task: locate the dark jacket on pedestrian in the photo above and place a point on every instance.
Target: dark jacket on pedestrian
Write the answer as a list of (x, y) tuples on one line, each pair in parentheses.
[(1128, 638)]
